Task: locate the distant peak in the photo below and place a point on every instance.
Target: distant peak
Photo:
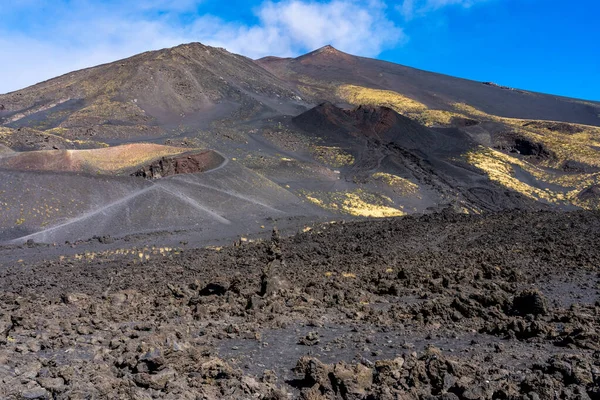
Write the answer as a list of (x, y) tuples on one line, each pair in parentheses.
[(328, 49), (195, 46), (327, 52), (189, 46)]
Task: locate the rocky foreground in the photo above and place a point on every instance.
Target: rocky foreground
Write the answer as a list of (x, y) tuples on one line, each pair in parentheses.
[(442, 306)]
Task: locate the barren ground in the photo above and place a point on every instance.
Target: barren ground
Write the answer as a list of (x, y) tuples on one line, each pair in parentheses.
[(442, 306)]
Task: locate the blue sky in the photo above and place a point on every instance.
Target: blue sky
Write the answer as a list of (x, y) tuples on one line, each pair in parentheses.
[(550, 46)]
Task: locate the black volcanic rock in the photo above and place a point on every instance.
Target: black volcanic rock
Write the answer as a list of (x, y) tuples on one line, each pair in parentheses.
[(560, 127), (530, 302), (590, 193), (527, 147)]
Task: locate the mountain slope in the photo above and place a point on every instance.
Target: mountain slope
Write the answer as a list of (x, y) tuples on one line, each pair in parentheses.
[(413, 166), (521, 146), (148, 95), (220, 203), (328, 67), (324, 135)]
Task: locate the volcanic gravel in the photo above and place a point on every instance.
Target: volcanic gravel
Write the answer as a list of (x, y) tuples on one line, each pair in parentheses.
[(439, 306)]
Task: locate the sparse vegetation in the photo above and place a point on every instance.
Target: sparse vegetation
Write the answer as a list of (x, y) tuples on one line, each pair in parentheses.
[(103, 109), (500, 168), (582, 146), (402, 185), (357, 203), (359, 95), (333, 157)]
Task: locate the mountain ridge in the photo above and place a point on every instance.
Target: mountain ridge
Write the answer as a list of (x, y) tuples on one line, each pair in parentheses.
[(328, 134)]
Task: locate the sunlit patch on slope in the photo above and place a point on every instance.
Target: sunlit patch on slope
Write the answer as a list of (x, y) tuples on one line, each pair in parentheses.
[(568, 141), (358, 95), (501, 169), (333, 157), (115, 159), (400, 185), (358, 203)]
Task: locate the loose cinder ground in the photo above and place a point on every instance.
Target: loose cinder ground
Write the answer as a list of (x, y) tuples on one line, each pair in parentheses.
[(442, 306)]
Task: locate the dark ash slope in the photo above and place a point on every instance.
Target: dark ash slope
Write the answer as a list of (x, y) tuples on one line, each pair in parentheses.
[(435, 90)]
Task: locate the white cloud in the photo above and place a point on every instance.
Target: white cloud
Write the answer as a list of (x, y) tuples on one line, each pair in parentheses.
[(290, 27), (414, 8), (86, 33)]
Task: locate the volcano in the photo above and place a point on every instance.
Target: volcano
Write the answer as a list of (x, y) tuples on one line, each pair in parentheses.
[(323, 135), (190, 223)]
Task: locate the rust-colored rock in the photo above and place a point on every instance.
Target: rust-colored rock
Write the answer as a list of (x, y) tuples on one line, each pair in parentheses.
[(181, 164)]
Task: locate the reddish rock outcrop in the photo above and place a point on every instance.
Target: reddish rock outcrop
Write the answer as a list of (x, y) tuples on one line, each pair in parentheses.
[(181, 164)]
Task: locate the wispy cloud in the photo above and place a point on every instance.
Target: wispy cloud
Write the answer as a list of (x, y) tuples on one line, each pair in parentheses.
[(417, 8), (51, 38)]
